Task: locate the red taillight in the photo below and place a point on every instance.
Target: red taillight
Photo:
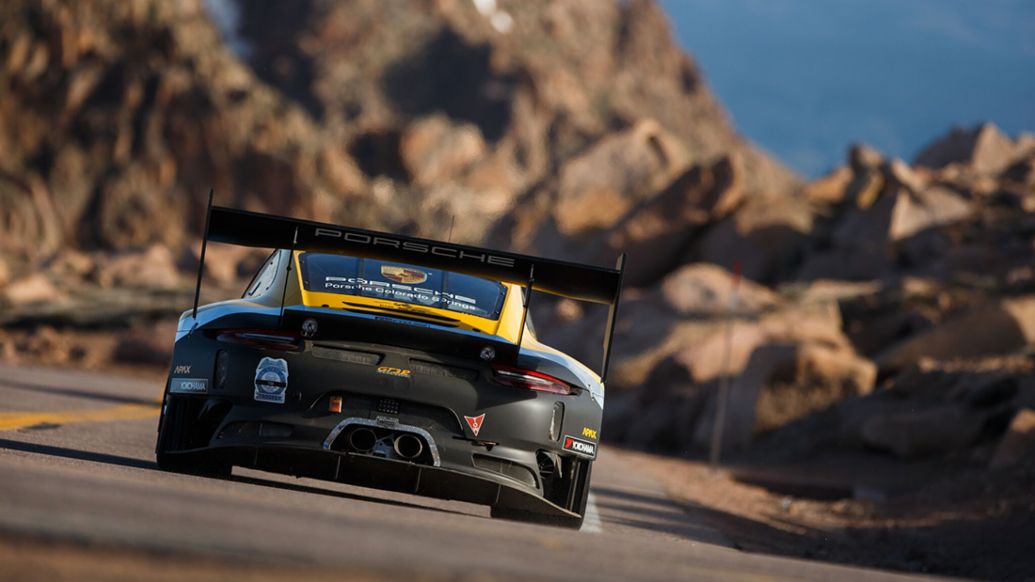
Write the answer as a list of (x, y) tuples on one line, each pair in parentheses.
[(521, 378), (258, 338)]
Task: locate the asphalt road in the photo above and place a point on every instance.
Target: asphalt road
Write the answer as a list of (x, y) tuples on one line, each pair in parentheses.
[(76, 466)]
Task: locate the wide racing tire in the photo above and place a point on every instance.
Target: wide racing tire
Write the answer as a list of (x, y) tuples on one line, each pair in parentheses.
[(173, 430)]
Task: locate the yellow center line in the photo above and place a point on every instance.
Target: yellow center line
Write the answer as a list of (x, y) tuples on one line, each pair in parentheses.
[(17, 420)]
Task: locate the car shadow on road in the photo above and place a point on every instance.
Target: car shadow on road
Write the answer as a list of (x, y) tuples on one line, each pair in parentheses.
[(76, 393), (301, 488), (122, 461), (67, 453)]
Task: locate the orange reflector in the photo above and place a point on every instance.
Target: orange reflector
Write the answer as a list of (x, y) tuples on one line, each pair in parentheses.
[(335, 405)]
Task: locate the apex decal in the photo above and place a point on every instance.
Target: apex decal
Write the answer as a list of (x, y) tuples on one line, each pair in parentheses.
[(475, 422), (418, 248)]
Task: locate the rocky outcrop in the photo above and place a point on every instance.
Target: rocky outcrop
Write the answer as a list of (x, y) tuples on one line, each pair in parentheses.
[(998, 328), (657, 234), (984, 148), (119, 117)]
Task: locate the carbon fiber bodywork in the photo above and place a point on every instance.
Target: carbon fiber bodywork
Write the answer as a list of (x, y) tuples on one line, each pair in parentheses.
[(393, 377)]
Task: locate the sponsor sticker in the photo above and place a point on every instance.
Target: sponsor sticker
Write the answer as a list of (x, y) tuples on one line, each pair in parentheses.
[(188, 385), (403, 275), (589, 433), (390, 371), (475, 422), (182, 369), (580, 446), (271, 380)]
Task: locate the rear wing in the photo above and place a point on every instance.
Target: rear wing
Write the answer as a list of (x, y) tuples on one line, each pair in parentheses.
[(562, 278)]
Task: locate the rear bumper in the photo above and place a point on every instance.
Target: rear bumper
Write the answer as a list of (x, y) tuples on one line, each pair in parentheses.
[(489, 443)]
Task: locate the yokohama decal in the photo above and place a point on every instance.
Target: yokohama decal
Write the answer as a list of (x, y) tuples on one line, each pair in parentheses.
[(580, 446), (475, 422)]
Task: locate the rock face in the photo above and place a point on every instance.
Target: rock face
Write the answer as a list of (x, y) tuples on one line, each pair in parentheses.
[(120, 116)]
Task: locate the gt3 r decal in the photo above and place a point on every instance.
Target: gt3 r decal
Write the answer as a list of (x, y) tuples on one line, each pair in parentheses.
[(580, 446), (401, 372), (475, 422), (271, 380), (188, 385)]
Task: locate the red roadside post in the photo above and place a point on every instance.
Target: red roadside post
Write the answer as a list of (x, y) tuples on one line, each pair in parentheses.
[(718, 425)]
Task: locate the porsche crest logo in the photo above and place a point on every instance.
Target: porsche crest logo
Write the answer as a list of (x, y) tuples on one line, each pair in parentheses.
[(403, 275)]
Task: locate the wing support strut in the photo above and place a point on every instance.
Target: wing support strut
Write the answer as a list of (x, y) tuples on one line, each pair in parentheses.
[(287, 277), (201, 260), (527, 299), (612, 318)]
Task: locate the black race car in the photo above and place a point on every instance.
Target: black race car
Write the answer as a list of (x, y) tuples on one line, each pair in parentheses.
[(390, 362)]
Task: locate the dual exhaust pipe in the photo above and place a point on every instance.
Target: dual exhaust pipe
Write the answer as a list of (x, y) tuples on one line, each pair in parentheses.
[(406, 445)]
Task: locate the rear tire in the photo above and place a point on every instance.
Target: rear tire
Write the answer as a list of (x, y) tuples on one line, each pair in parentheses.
[(174, 432)]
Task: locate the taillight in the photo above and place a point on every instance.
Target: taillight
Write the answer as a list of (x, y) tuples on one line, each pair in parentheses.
[(267, 340), (532, 380)]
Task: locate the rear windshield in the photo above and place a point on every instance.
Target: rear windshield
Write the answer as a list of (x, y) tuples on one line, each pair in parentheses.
[(325, 273)]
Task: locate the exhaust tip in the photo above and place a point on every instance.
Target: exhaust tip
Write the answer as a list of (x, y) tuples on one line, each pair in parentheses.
[(362, 440), (408, 446)]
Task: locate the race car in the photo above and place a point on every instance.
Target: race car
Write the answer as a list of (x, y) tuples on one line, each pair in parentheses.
[(389, 362)]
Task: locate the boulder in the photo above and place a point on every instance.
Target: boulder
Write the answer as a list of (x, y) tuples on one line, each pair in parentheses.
[(656, 234), (867, 241), (147, 346), (983, 148), (831, 188), (863, 158), (222, 262), (717, 345), (864, 188), (5, 272), (919, 433), (1018, 444), (1021, 172), (46, 345), (31, 289), (71, 264), (785, 382), (929, 208), (596, 188), (768, 236), (993, 328), (434, 150), (706, 289), (898, 173), (150, 268)]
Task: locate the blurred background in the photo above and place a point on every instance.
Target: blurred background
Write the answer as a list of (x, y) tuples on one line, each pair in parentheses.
[(866, 163)]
